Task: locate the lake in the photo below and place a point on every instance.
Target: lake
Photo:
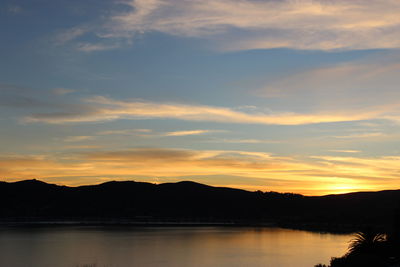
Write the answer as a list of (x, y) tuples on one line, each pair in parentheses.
[(72, 246)]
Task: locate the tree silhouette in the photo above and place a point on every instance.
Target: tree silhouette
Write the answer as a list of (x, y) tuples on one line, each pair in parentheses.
[(366, 241)]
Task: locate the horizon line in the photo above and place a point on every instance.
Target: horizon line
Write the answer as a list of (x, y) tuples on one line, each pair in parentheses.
[(189, 181)]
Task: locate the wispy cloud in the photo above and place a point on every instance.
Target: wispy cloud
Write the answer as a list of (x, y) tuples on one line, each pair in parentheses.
[(126, 132), (360, 135), (81, 147), (62, 91), (362, 88), (316, 92), (78, 138), (92, 47), (345, 151), (190, 132), (14, 9), (252, 24), (151, 133), (244, 141), (70, 34), (374, 166), (370, 83), (105, 109)]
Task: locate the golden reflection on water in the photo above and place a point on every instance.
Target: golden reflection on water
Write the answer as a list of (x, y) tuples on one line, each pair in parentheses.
[(167, 247)]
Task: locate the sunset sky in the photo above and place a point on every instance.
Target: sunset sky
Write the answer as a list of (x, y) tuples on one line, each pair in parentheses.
[(277, 95)]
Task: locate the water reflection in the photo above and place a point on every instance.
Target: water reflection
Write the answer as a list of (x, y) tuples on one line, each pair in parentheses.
[(167, 247)]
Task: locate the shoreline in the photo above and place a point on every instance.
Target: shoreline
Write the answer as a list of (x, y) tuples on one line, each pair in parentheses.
[(331, 229)]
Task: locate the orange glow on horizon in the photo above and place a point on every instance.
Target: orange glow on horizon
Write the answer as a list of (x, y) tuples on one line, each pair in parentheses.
[(238, 169)]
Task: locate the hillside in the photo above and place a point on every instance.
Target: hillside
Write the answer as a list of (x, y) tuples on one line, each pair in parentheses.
[(128, 201)]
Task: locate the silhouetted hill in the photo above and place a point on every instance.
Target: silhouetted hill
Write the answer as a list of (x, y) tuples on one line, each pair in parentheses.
[(130, 201)]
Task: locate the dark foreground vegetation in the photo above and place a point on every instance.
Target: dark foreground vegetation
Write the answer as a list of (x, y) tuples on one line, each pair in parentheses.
[(33, 201), (370, 248)]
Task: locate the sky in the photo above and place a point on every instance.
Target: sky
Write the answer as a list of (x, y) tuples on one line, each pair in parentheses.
[(274, 95)]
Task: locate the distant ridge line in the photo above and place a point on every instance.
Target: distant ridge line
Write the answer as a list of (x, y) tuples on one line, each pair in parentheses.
[(189, 202), (188, 182)]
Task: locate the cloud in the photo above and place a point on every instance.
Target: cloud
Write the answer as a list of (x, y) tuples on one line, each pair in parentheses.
[(320, 174), (126, 132), (151, 133), (14, 9), (39, 99), (81, 147), (367, 87), (92, 47), (369, 82), (78, 138), (70, 34), (361, 91), (105, 109), (379, 167), (20, 101), (190, 132), (62, 91), (244, 141), (360, 135), (345, 151), (19, 97), (252, 24), (143, 154)]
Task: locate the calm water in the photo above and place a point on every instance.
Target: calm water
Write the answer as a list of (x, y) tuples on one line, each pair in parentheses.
[(166, 247)]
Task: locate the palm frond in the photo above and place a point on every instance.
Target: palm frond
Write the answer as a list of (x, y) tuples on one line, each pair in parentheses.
[(366, 240)]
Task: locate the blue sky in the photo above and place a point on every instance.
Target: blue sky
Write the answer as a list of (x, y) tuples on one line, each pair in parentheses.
[(296, 96)]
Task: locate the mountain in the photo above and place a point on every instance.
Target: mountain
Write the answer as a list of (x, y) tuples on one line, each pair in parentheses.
[(190, 202)]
